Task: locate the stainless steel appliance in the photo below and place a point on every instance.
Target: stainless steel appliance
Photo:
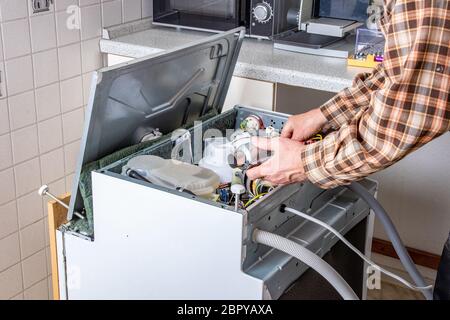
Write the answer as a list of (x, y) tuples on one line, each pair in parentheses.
[(261, 18), (325, 27), (271, 17)]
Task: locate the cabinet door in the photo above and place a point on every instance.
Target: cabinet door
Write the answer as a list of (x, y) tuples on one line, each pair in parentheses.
[(251, 93), (295, 100)]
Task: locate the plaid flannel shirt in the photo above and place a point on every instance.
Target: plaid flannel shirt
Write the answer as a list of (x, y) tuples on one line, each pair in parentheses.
[(398, 107)]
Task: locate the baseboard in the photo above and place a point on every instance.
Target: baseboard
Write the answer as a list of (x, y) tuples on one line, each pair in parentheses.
[(419, 257), (395, 266)]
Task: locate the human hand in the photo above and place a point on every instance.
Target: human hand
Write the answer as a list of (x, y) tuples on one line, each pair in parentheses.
[(284, 167), (303, 126)]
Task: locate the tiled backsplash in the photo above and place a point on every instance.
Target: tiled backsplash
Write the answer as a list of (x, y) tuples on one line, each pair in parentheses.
[(45, 75)]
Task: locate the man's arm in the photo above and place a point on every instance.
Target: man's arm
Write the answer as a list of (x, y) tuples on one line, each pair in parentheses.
[(345, 105), (342, 108), (409, 111), (369, 144), (338, 111)]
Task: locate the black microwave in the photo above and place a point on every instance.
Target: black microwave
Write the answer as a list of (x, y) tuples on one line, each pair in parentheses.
[(261, 18)]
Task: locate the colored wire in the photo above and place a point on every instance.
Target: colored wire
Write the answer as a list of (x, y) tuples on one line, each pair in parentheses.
[(254, 199)]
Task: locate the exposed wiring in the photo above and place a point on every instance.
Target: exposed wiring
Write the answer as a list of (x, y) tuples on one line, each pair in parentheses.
[(317, 138), (252, 200), (258, 186), (355, 250), (231, 200), (254, 188)]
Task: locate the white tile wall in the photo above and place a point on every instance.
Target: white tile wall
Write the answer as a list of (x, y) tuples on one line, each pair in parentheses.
[(19, 75), (35, 269), (4, 118), (9, 251), (24, 144), (70, 153), (112, 13), (87, 82), (63, 4), (52, 165), (8, 219), (29, 209), (72, 125), (16, 38), (43, 40), (22, 111), (91, 25), (71, 94), (92, 59), (48, 70), (48, 102), (27, 176), (69, 61), (32, 239), (65, 35), (13, 9), (147, 9), (7, 186), (6, 159), (50, 134), (20, 296), (45, 65), (131, 10), (11, 282), (39, 291)]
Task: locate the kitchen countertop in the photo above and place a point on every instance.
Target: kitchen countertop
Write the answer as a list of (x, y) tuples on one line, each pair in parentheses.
[(258, 59)]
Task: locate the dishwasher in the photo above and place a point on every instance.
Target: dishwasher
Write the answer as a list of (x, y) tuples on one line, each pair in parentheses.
[(143, 225)]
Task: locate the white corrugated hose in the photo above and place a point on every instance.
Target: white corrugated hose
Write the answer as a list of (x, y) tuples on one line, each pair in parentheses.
[(309, 258)]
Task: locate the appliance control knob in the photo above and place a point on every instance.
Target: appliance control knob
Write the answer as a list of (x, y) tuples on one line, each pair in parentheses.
[(262, 12)]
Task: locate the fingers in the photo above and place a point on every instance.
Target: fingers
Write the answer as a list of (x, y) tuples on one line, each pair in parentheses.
[(263, 143), (291, 132), (261, 171), (288, 130), (299, 136)]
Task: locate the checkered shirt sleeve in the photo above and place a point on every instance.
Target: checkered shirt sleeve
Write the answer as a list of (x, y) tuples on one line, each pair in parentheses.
[(402, 105)]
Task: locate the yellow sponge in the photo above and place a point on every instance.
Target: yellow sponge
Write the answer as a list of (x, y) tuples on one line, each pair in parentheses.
[(368, 62)]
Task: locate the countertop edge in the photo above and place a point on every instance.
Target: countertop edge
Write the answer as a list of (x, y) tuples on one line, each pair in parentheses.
[(244, 70)]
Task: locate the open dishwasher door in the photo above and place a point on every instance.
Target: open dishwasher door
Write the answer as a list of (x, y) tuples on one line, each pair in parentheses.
[(166, 91)]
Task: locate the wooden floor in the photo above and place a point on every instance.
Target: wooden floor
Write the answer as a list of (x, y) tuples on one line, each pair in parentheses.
[(393, 292)]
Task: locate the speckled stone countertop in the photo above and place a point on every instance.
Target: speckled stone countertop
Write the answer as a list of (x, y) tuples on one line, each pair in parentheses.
[(258, 59)]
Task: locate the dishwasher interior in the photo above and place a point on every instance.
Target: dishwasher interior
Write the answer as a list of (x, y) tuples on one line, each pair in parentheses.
[(278, 271), (338, 207)]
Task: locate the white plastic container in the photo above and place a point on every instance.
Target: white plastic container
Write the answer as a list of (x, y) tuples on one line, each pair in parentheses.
[(216, 158), (175, 174)]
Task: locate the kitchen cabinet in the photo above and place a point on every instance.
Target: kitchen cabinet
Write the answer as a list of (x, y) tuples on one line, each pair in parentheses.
[(295, 100)]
